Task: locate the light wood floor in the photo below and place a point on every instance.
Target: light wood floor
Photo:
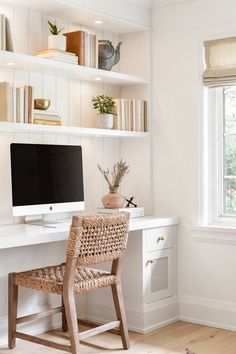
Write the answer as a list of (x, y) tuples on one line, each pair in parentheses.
[(172, 339)]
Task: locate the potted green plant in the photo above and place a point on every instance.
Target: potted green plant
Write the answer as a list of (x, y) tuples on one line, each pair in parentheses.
[(105, 105), (56, 40)]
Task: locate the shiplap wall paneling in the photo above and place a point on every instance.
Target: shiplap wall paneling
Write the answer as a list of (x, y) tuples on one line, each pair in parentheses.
[(71, 99)]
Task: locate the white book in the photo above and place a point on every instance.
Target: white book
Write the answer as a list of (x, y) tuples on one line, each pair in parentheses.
[(13, 102), (47, 117), (5, 102), (138, 112), (52, 55), (56, 51), (86, 51), (9, 38), (3, 32), (96, 52), (126, 114), (45, 112), (117, 117), (26, 106), (134, 212), (20, 104), (1, 28), (64, 61), (122, 121)]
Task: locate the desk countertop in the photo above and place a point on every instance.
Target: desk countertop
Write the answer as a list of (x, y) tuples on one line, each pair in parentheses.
[(18, 235)]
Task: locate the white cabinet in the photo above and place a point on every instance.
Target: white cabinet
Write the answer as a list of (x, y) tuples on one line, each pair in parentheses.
[(157, 263)]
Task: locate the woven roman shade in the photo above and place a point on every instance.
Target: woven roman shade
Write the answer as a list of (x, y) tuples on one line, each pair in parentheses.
[(220, 58)]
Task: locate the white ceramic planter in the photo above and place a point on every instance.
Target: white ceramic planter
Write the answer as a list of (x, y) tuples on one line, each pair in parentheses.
[(57, 42), (104, 121)]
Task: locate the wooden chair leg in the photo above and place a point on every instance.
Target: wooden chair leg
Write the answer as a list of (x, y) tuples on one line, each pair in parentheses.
[(120, 313), (71, 319), (64, 323), (12, 311)]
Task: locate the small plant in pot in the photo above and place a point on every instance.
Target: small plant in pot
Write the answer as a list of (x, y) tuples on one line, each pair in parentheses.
[(56, 40), (106, 108)]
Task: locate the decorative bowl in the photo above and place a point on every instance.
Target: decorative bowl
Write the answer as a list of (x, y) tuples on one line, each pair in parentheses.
[(42, 103)]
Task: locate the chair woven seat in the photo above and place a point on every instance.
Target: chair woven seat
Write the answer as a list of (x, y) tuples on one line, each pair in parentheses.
[(50, 279)]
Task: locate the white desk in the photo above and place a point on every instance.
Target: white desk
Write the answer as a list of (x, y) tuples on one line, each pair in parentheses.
[(18, 235), (25, 246)]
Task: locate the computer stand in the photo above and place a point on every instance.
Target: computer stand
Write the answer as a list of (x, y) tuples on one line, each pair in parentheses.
[(38, 220)]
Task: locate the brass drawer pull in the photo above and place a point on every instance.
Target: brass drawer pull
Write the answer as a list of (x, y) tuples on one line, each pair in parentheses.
[(150, 261), (160, 238)]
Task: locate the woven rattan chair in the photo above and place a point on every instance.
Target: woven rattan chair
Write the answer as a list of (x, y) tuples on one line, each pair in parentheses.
[(92, 239)]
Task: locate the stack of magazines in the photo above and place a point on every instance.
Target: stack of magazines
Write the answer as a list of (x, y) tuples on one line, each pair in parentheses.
[(59, 55), (46, 117)]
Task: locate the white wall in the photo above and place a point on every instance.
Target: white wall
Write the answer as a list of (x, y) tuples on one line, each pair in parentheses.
[(206, 276)]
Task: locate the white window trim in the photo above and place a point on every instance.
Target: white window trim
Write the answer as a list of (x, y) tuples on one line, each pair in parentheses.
[(213, 161)]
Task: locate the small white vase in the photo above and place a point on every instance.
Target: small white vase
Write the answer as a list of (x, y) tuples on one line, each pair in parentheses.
[(57, 42), (104, 121)]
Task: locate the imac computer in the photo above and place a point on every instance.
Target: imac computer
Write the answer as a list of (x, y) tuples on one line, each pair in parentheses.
[(46, 179)]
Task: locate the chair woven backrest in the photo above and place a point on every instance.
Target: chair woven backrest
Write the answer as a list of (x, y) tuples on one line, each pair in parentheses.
[(98, 238)]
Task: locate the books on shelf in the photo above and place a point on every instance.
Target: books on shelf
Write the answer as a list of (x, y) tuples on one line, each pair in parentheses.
[(46, 117), (6, 42), (85, 46), (16, 103), (131, 114), (59, 55), (134, 212)]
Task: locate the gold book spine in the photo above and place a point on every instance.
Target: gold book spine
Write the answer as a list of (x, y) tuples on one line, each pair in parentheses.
[(47, 122)]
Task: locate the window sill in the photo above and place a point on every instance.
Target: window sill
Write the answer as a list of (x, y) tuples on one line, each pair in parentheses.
[(214, 234)]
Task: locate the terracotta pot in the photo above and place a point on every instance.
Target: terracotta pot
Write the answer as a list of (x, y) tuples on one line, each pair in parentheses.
[(113, 199)]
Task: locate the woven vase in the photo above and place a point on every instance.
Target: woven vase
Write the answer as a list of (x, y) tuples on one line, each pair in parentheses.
[(113, 199)]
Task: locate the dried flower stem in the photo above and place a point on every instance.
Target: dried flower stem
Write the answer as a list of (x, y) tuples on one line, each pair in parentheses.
[(114, 178)]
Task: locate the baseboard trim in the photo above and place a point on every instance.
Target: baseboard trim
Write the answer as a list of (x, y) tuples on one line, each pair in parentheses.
[(207, 323), (208, 312)]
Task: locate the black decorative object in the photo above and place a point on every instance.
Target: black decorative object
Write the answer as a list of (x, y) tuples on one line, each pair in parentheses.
[(108, 56), (130, 202)]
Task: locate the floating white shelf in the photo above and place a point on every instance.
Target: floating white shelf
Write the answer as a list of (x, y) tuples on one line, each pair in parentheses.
[(71, 10), (53, 67), (66, 130)]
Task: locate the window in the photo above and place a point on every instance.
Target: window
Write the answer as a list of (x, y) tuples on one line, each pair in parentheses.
[(219, 153), (221, 170)]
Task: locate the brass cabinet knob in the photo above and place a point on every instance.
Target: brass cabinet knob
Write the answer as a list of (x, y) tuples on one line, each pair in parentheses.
[(150, 261), (160, 238)]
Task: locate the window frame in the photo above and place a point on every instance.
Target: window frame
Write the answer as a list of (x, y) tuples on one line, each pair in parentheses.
[(213, 190)]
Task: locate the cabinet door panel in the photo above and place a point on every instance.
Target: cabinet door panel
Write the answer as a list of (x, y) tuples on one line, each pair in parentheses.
[(158, 275)]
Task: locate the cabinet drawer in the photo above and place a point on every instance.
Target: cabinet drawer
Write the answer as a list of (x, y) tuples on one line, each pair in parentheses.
[(158, 238)]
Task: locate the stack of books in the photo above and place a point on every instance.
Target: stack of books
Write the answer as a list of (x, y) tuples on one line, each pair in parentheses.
[(46, 117), (16, 103), (59, 55), (134, 212), (6, 42), (131, 115), (85, 46)]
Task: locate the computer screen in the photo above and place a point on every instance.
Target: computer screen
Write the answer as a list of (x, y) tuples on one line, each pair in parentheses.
[(46, 178)]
